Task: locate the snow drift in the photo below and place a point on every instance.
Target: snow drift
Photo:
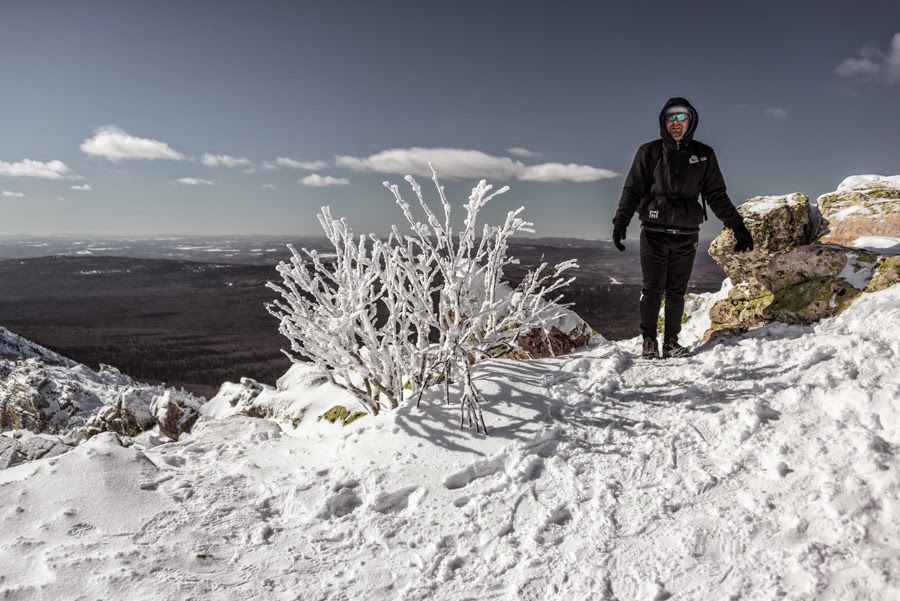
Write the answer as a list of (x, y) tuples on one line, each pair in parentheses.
[(764, 467)]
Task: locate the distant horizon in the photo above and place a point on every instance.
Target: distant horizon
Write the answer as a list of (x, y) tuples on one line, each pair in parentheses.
[(162, 237)]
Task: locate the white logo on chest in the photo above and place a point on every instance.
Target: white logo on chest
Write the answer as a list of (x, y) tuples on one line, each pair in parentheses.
[(694, 159)]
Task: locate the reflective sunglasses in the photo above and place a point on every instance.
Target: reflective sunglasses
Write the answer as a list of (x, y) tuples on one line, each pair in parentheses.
[(676, 117)]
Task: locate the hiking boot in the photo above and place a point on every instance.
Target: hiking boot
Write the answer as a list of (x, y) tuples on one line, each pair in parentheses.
[(651, 349), (671, 348)]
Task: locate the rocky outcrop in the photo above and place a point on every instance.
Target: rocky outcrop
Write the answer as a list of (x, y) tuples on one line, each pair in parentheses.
[(175, 414), (787, 279), (115, 418), (49, 395), (777, 223), (862, 208), (32, 399)]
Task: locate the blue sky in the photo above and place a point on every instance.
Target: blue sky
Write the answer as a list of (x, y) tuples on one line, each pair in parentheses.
[(127, 118)]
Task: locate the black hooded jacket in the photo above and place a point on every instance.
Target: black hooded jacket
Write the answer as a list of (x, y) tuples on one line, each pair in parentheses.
[(667, 179)]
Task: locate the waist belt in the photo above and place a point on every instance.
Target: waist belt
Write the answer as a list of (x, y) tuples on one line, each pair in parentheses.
[(665, 198)]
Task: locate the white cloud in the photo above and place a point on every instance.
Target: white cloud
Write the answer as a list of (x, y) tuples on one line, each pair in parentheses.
[(776, 113), (294, 164), (195, 181), (223, 160), (320, 181), (114, 144), (448, 162), (269, 187), (84, 188), (873, 64), (457, 163), (557, 172), (29, 168), (522, 152), (8, 194)]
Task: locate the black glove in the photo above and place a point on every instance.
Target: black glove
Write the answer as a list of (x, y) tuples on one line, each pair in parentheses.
[(744, 239), (618, 236)]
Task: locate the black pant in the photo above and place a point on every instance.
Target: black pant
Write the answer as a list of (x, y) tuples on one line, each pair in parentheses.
[(666, 262)]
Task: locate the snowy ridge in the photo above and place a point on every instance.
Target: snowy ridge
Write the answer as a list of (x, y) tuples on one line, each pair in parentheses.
[(49, 403), (764, 467), (13, 346)]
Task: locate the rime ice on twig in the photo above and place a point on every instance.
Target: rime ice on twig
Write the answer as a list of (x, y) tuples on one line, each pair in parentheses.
[(442, 295)]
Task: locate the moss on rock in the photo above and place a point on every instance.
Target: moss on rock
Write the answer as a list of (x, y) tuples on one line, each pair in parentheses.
[(804, 264), (813, 300), (342, 414), (887, 273)]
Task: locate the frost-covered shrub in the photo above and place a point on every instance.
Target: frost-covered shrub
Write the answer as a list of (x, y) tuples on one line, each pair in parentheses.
[(417, 310)]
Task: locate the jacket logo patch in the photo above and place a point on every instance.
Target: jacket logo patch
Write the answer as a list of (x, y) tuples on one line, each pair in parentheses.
[(694, 159), (702, 158), (654, 214)]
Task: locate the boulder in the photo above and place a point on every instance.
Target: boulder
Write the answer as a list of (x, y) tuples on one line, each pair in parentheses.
[(176, 413), (114, 418), (887, 273), (787, 278), (864, 209), (745, 307), (537, 345), (777, 223), (802, 286)]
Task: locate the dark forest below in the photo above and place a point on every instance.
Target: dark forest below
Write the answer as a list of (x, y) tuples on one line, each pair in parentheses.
[(196, 325)]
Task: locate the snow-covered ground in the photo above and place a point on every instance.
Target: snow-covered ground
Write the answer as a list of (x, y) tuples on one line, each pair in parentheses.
[(763, 467)]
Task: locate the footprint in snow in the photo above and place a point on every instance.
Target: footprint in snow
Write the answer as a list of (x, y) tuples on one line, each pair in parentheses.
[(474, 471), (341, 502), (552, 531), (392, 502), (80, 529)]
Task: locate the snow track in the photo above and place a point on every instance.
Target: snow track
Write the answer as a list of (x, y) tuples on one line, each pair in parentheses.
[(760, 468)]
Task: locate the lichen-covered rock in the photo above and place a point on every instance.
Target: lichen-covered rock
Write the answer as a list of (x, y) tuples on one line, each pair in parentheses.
[(745, 307), (176, 413), (787, 279), (777, 224), (817, 281), (886, 273), (863, 206), (813, 300), (801, 286), (819, 261)]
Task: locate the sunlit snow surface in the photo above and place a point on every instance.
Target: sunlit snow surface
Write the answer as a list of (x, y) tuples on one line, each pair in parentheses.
[(764, 467)]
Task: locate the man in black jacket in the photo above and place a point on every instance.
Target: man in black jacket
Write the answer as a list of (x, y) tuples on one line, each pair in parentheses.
[(667, 179)]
